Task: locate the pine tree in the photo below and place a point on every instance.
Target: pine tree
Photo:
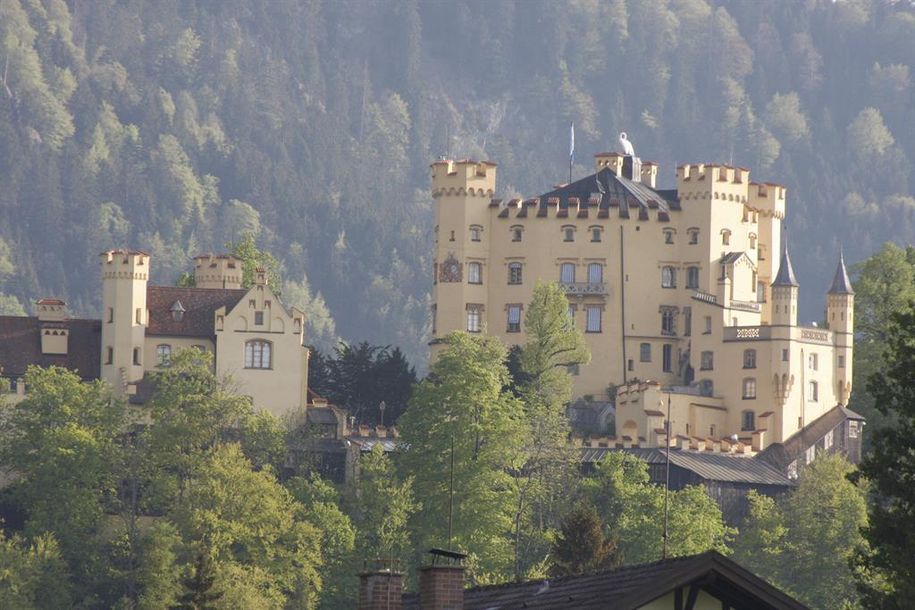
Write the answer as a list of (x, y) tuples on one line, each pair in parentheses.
[(199, 586), (580, 546)]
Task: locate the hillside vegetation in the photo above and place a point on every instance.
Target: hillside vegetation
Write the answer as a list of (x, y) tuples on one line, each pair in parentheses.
[(176, 127)]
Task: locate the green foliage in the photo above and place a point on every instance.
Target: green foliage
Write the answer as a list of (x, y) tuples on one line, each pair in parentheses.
[(462, 401), (633, 511), (32, 575), (580, 546), (890, 467), (253, 258)]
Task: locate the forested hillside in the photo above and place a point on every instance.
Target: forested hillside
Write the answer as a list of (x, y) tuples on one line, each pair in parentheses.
[(178, 126)]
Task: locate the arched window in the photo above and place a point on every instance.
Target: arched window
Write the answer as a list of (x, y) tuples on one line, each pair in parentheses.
[(258, 354), (163, 354), (749, 358), (725, 237), (597, 234), (595, 273), (476, 232), (568, 234), (474, 273), (669, 236), (668, 277), (514, 273), (567, 273), (692, 277), (749, 388), (748, 421), (752, 241), (693, 235), (517, 232)]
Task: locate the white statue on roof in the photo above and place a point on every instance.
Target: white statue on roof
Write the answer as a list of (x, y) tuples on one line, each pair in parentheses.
[(627, 145)]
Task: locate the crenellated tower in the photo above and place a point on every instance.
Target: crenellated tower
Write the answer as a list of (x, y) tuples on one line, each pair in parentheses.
[(840, 307), (124, 316), (462, 191)]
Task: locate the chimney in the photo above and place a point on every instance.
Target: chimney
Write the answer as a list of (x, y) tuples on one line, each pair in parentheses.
[(441, 585), (381, 588)]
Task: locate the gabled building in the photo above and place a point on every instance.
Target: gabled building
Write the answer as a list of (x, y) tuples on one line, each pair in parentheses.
[(686, 296)]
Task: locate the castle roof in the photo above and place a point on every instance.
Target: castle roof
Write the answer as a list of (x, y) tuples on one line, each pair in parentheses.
[(614, 192), (840, 282), (20, 346), (200, 305), (785, 275)]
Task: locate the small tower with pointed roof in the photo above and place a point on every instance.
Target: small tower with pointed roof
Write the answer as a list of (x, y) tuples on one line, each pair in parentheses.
[(784, 293), (840, 306)]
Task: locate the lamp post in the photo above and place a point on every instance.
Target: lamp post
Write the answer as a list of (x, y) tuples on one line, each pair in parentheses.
[(381, 408)]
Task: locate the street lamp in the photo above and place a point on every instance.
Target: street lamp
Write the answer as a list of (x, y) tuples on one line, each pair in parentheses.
[(381, 408)]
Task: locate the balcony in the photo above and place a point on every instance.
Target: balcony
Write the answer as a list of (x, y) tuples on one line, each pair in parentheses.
[(747, 333), (584, 288)]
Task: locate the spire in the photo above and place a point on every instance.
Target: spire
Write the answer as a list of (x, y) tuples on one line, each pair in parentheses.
[(840, 283), (785, 275)]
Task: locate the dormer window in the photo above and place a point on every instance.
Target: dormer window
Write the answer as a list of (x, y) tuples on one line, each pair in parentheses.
[(177, 310)]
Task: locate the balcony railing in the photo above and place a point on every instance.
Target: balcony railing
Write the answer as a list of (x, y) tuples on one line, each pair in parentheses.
[(745, 305), (584, 288), (706, 297)]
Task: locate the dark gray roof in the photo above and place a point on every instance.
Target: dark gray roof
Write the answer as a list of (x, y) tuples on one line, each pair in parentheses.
[(619, 192), (631, 587), (840, 282), (780, 455), (321, 415), (731, 257), (785, 276), (722, 467)]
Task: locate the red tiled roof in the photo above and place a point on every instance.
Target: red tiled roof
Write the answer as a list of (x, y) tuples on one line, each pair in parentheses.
[(20, 346), (199, 303)]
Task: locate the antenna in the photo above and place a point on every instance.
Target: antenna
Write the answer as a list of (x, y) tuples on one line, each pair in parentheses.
[(451, 494)]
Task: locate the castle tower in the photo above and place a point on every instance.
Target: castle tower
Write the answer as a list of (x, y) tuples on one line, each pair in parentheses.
[(221, 271), (784, 293), (840, 306), (462, 191), (124, 316)]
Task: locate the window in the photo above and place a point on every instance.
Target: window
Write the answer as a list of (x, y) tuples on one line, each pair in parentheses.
[(475, 273), (687, 321), (258, 354), (595, 273), (852, 429), (668, 236), (109, 355), (568, 234), (631, 365), (707, 387), (749, 388), (812, 362), (451, 238), (572, 310), (693, 236), (139, 316), (517, 233), (573, 370), (707, 361), (711, 430), (813, 393), (761, 292), (666, 357), (692, 277), (725, 237), (434, 318), (514, 273), (594, 315), (811, 453), (110, 315), (258, 318), (435, 233), (668, 320), (476, 233), (708, 325), (567, 273), (136, 356), (828, 440), (163, 354), (596, 234), (645, 352), (841, 363), (748, 421), (752, 241), (785, 355), (668, 277), (749, 358), (761, 255), (474, 314), (514, 319)]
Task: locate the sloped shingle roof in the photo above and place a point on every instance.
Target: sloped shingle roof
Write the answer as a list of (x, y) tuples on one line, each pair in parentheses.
[(20, 346), (200, 304)]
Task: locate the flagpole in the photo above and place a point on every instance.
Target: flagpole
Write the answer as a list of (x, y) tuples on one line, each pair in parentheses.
[(571, 148)]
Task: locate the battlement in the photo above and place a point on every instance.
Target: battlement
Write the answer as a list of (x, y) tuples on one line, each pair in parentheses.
[(768, 198), (217, 271), (125, 264), (465, 177)]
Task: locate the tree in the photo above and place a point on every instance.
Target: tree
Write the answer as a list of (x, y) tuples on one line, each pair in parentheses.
[(632, 509), (868, 135), (890, 468), (245, 248), (580, 545), (553, 345), (462, 402), (805, 542), (199, 593), (33, 575)]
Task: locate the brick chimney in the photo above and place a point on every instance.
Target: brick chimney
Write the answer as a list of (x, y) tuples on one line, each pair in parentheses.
[(381, 588), (441, 584)]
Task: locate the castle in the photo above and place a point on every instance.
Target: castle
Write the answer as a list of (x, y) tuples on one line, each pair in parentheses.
[(251, 335), (686, 297)]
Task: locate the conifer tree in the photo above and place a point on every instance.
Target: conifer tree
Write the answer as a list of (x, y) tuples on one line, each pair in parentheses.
[(580, 545)]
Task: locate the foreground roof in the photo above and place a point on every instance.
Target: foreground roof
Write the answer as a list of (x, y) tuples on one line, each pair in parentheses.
[(634, 587), (20, 346)]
